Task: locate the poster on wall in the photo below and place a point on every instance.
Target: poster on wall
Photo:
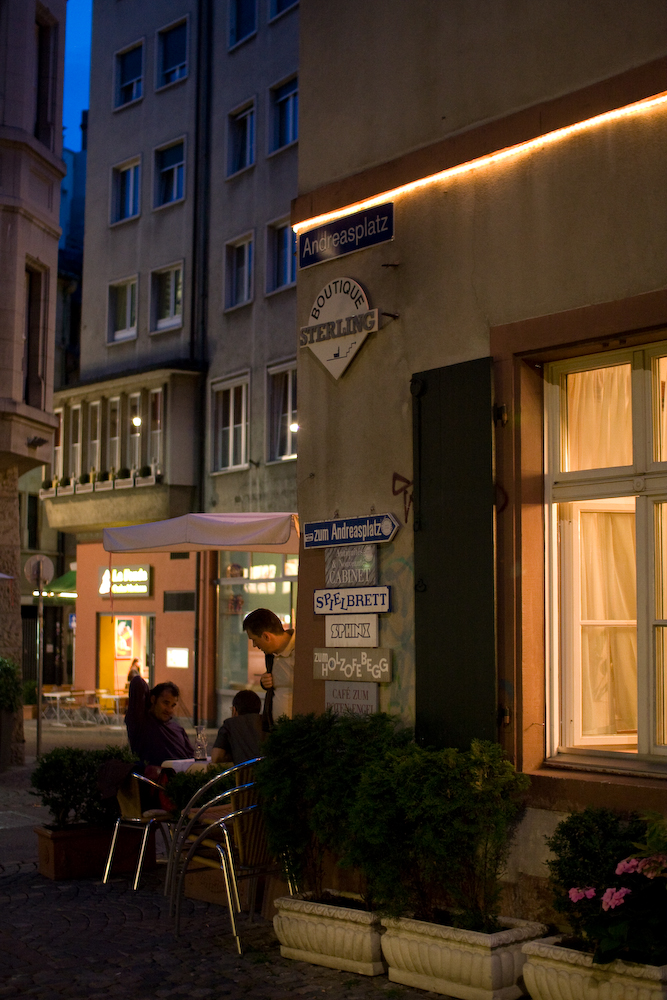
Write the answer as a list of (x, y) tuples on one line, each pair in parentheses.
[(124, 636)]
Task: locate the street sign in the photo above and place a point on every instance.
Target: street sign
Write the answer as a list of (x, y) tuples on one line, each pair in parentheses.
[(340, 601), (351, 630), (352, 665), (39, 568), (350, 531), (351, 566), (343, 696), (341, 236), (339, 321)]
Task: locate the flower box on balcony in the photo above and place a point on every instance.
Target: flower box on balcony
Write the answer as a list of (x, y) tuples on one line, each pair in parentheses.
[(46, 494), (144, 481), (66, 491), (84, 487), (105, 484), (123, 484)]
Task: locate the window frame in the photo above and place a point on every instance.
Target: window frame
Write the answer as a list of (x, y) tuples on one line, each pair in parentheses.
[(117, 56), (274, 105), (271, 371), (135, 435), (234, 43), (245, 110), (275, 15), (230, 300), (125, 166), (114, 443), (58, 463), (157, 173), (175, 321), (218, 387), (156, 457), (74, 448), (159, 85), (94, 444), (130, 333), (272, 230)]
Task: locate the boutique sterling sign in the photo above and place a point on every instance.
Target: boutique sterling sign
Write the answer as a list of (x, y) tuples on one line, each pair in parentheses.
[(339, 322)]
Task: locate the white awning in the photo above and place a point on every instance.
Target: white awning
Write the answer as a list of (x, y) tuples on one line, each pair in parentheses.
[(197, 532)]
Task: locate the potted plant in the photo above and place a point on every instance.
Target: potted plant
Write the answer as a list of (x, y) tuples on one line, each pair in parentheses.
[(103, 481), (145, 476), (431, 830), (123, 478), (10, 704), (308, 781), (609, 878), (76, 844), (29, 700)]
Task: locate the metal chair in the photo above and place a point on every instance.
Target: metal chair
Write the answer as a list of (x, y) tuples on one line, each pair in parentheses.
[(134, 817)]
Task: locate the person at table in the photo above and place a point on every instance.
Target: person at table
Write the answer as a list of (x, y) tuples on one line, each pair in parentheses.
[(239, 737), (265, 631), (151, 730)]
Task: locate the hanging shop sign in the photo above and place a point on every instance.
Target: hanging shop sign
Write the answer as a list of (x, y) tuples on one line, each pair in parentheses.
[(350, 531), (340, 320), (345, 696), (339, 601), (352, 665), (125, 581), (341, 236), (351, 630), (351, 566)]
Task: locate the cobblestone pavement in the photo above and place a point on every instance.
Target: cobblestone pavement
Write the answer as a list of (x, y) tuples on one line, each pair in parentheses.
[(82, 939)]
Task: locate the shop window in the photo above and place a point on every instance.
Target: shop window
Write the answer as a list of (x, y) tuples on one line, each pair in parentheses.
[(125, 199), (167, 298), (242, 20), (169, 174), (281, 249), (123, 310), (607, 490), (230, 426), (285, 114), (179, 600), (179, 555), (241, 140), (172, 54), (129, 75), (283, 424), (239, 273)]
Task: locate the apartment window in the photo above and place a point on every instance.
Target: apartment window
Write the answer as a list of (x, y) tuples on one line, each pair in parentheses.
[(32, 520), (285, 108), (169, 173), (156, 407), (58, 446), (167, 297), (32, 338), (281, 246), (283, 424), (134, 428), (75, 442), (123, 310), (94, 436), (172, 54), (242, 20), (113, 435), (239, 272), (46, 62), (607, 489), (125, 200), (129, 75), (241, 140), (279, 6), (230, 426)]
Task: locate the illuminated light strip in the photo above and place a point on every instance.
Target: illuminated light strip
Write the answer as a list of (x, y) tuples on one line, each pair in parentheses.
[(486, 160)]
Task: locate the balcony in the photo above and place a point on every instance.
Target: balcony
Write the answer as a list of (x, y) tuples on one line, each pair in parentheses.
[(127, 501)]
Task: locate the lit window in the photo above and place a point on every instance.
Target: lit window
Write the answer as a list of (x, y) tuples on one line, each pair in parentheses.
[(239, 273), (169, 168), (172, 54), (283, 424), (123, 310), (242, 20), (129, 75), (607, 490), (281, 246), (167, 296), (241, 140), (134, 428), (125, 202), (285, 107), (230, 426), (94, 436), (113, 435)]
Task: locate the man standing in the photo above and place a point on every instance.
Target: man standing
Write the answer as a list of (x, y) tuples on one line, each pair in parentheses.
[(152, 733), (266, 632)]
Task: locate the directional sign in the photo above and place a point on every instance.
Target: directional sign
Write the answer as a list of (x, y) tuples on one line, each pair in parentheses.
[(351, 630), (344, 696), (341, 601), (350, 531), (352, 664)]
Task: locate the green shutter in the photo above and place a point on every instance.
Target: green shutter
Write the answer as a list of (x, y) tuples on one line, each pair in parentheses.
[(456, 698)]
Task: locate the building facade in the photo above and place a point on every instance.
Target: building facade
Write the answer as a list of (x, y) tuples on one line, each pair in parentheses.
[(497, 196)]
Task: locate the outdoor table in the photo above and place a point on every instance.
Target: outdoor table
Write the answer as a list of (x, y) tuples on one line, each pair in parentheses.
[(185, 765), (56, 696)]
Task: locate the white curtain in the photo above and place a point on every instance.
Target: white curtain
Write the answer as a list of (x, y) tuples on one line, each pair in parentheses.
[(599, 418)]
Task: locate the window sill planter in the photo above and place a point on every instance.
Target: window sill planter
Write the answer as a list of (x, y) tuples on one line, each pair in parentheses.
[(337, 937), (84, 487), (81, 851), (65, 491), (144, 481), (123, 484), (455, 962), (553, 972), (29, 712), (47, 494), (105, 484)]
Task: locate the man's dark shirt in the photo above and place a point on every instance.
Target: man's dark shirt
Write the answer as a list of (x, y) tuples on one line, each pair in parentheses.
[(153, 741), (241, 736)]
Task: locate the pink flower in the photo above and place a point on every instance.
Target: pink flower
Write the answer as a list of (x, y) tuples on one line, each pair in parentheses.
[(613, 898), (652, 867), (577, 894), (629, 865)]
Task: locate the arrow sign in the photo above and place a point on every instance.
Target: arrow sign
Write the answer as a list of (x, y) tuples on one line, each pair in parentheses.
[(350, 531)]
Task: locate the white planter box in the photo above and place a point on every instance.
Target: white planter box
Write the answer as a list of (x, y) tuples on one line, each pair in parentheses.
[(144, 481), (107, 484), (66, 491), (84, 487), (458, 963), (552, 973), (45, 494), (123, 484), (335, 936)]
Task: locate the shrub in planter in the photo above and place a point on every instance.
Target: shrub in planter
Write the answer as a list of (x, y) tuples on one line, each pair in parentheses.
[(84, 478), (145, 471), (66, 481), (30, 692), (123, 473), (102, 477), (66, 780), (10, 703), (47, 484)]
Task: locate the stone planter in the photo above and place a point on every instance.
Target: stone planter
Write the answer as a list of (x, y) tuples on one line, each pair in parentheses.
[(84, 487), (552, 973), (66, 491), (6, 733), (458, 963), (29, 712), (144, 481), (81, 851), (47, 494), (103, 484), (335, 936), (123, 484)]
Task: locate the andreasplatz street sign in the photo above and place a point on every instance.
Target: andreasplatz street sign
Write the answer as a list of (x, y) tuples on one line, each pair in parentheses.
[(341, 236), (352, 665), (350, 531), (343, 600)]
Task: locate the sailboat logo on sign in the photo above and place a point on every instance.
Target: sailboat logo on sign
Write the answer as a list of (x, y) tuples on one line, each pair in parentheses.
[(340, 320)]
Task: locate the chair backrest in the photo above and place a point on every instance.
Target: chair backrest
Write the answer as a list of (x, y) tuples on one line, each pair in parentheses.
[(250, 836), (129, 798)]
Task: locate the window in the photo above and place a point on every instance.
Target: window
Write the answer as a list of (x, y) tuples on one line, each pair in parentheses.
[(172, 54), (178, 600), (32, 339), (283, 424), (46, 88), (167, 298), (607, 489), (123, 310), (230, 426), (113, 439), (134, 428), (125, 199), (239, 273), (32, 520), (156, 405), (94, 436), (285, 107), (241, 142), (75, 442), (58, 446), (242, 20), (129, 75), (279, 6), (169, 168), (281, 245)]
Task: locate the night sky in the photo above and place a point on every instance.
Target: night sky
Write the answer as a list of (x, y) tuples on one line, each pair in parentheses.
[(77, 69)]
